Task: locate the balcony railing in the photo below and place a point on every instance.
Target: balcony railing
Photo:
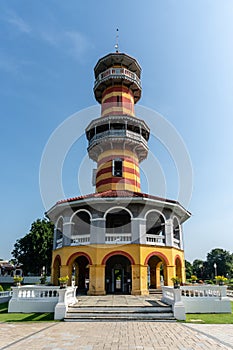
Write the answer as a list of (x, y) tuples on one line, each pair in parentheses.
[(121, 73), (59, 243), (113, 238), (176, 242), (155, 240), (80, 239), (118, 133)]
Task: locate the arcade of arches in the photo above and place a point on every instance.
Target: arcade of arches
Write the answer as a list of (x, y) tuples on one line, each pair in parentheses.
[(132, 270)]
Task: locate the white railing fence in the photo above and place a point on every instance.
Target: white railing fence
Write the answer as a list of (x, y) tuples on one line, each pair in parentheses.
[(5, 296), (27, 299), (67, 297), (197, 299)]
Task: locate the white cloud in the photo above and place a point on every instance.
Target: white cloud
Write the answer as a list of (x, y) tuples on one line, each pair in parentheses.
[(73, 43), (18, 22)]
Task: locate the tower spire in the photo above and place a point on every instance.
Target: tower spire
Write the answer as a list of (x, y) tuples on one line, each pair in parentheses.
[(117, 39)]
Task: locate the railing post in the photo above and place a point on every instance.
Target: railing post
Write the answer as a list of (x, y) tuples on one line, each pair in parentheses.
[(178, 306)]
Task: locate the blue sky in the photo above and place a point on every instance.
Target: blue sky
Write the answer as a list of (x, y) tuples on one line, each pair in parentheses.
[(47, 54)]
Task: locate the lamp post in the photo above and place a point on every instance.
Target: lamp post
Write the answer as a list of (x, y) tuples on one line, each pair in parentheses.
[(215, 269)]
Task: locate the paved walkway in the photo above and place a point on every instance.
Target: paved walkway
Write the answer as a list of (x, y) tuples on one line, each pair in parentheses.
[(114, 336), (118, 300)]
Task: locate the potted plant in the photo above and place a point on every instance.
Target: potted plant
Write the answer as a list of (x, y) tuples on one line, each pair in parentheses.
[(63, 281), (176, 281), (193, 278), (18, 280), (220, 280)]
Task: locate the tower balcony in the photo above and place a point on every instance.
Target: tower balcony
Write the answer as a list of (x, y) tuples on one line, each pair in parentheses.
[(119, 75), (109, 138)]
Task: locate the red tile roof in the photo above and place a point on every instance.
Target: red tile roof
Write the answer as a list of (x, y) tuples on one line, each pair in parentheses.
[(114, 194)]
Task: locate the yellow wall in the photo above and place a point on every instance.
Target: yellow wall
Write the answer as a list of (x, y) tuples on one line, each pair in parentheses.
[(139, 253)]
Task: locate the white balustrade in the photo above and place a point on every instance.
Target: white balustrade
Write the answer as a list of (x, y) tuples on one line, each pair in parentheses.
[(117, 73), (67, 297), (33, 299), (114, 238), (59, 243), (155, 239), (5, 296), (80, 239), (198, 299)]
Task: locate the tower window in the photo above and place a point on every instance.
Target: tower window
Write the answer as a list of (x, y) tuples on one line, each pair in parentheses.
[(117, 167)]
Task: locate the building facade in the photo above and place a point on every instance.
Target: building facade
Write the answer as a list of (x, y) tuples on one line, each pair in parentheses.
[(118, 239)]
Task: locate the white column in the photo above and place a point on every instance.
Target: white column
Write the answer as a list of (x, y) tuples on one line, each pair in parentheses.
[(169, 232)]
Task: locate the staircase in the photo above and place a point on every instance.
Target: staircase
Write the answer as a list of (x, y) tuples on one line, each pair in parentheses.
[(141, 309)]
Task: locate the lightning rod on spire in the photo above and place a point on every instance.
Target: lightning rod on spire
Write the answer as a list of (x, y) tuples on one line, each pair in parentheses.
[(117, 37)]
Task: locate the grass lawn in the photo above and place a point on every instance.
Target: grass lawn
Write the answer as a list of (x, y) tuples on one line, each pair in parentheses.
[(211, 318), (18, 317)]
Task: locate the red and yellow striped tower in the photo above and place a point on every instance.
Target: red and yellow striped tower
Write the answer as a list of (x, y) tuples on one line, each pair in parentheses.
[(118, 139)]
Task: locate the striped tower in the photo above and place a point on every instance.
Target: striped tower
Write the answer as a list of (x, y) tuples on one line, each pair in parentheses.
[(118, 139)]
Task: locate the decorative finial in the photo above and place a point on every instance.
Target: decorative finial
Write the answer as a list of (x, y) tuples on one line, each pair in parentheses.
[(117, 37)]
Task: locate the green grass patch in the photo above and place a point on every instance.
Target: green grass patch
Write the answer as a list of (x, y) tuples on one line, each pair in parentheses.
[(19, 317), (211, 318)]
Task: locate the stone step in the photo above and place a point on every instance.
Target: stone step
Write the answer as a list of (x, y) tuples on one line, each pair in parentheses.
[(120, 309), (78, 313), (119, 317)]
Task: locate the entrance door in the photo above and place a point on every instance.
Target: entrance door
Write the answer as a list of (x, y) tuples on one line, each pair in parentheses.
[(118, 280), (118, 275)]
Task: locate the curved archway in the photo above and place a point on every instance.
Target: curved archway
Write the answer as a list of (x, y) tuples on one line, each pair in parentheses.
[(117, 209), (118, 226), (56, 269), (118, 252), (118, 278), (78, 211), (157, 270), (155, 227), (79, 264), (178, 265), (76, 255), (81, 226)]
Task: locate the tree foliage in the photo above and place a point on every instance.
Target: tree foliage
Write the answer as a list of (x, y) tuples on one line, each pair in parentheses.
[(206, 270), (35, 249)]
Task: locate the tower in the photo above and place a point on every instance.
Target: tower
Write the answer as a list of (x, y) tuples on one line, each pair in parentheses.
[(118, 139), (118, 239)]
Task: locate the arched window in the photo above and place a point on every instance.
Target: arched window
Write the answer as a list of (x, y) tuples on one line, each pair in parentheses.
[(81, 222), (176, 232), (155, 228), (118, 221), (59, 229)]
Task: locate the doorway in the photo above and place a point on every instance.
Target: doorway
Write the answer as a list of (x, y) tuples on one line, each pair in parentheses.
[(118, 275)]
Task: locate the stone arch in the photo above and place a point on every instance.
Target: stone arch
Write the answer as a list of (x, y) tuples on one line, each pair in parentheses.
[(157, 264), (56, 269), (118, 274), (81, 221), (155, 227), (118, 208), (77, 211), (78, 270), (178, 266), (76, 255), (118, 221), (118, 252)]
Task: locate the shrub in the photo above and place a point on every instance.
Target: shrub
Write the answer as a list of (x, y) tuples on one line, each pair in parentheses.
[(1, 288)]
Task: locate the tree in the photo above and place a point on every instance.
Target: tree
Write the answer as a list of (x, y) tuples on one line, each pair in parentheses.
[(35, 249), (188, 269), (223, 260), (198, 268)]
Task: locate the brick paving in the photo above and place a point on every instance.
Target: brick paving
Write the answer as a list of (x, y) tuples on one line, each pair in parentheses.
[(114, 336)]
